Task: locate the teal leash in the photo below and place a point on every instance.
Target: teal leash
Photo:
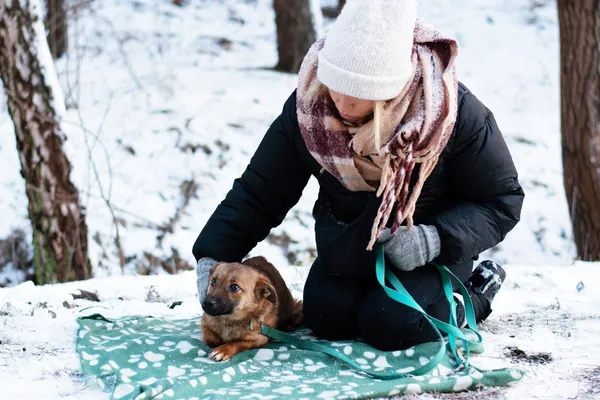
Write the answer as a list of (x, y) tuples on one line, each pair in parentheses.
[(399, 294)]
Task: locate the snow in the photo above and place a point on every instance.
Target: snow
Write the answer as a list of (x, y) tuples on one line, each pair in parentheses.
[(45, 57), (317, 17), (539, 310), (11, 275), (159, 95)]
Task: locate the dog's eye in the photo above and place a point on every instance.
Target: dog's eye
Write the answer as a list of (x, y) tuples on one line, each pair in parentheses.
[(213, 282), (234, 288)]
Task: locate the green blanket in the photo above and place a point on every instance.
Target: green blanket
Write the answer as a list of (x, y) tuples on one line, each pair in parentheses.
[(145, 357)]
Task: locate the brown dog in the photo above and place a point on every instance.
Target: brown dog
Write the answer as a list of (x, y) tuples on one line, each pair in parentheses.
[(241, 292)]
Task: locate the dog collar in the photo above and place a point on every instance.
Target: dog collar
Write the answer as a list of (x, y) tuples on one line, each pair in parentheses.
[(259, 322)]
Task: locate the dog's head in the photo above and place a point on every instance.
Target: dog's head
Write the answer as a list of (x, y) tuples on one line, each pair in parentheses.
[(238, 291)]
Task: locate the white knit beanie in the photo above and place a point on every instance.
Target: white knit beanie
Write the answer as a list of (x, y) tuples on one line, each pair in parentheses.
[(367, 51)]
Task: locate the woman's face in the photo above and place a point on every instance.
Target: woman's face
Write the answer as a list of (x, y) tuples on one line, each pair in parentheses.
[(350, 108)]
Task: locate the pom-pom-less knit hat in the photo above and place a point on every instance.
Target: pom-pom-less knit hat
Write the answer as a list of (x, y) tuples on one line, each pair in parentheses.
[(367, 51)]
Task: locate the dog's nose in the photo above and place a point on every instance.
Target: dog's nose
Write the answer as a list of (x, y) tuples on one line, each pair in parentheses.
[(209, 303), (215, 306)]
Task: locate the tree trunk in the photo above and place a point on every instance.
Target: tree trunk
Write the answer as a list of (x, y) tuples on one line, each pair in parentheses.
[(57, 27), (296, 32), (57, 217), (579, 22)]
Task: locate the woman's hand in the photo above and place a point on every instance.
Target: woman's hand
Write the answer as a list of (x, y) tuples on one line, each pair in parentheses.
[(203, 273), (408, 250)]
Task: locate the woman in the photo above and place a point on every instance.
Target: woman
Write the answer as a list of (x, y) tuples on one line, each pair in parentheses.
[(404, 155)]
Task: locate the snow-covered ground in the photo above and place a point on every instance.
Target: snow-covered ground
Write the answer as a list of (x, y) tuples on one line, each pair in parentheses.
[(541, 322), (165, 101)]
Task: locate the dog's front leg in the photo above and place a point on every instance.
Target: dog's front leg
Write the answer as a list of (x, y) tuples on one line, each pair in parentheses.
[(210, 337), (228, 350)]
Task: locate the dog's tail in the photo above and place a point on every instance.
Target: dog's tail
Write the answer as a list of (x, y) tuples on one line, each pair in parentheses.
[(297, 314), (296, 317)]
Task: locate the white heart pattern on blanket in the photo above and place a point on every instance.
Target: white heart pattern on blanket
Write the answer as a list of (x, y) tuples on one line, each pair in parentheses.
[(153, 357)]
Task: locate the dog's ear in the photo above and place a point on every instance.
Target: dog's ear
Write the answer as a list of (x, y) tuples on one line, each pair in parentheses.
[(264, 289), (257, 261)]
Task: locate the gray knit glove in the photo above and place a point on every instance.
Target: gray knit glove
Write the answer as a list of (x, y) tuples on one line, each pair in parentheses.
[(408, 250), (203, 273)]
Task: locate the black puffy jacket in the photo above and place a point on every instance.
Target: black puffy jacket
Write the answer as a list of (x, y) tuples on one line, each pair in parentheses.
[(473, 196)]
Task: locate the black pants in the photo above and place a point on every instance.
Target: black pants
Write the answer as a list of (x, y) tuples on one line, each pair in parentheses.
[(340, 308)]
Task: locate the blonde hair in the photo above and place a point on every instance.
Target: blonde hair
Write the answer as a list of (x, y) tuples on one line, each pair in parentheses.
[(377, 120), (318, 89)]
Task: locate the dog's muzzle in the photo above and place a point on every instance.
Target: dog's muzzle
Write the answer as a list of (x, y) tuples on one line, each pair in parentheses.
[(214, 306)]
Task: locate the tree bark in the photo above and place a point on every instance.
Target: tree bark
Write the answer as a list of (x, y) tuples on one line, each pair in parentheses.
[(579, 22), (295, 32), (57, 217), (57, 27)]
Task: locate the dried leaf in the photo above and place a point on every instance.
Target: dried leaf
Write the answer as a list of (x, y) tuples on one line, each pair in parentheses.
[(84, 294), (175, 304)]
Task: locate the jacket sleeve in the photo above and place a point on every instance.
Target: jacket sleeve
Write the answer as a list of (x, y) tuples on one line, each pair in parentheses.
[(484, 182), (261, 197)]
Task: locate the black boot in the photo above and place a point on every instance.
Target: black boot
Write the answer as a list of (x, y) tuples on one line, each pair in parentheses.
[(483, 284), (486, 279)]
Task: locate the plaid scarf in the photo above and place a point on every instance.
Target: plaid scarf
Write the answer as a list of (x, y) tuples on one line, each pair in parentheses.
[(414, 128)]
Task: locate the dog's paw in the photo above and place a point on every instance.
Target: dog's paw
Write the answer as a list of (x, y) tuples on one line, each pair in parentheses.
[(224, 352)]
